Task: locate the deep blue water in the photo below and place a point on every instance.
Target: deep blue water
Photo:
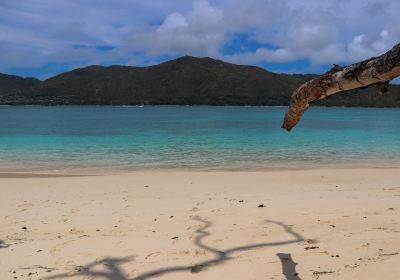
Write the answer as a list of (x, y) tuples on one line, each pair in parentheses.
[(194, 137)]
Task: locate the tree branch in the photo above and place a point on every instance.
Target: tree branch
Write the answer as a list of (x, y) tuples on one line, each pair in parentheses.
[(376, 71)]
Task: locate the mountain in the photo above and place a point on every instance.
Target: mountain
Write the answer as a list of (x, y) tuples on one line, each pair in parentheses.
[(10, 84), (184, 81)]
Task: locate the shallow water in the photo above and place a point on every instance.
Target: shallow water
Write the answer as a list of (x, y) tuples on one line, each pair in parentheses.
[(200, 137)]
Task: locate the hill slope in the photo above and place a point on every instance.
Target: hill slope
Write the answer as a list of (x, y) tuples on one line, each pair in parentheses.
[(10, 84), (184, 81)]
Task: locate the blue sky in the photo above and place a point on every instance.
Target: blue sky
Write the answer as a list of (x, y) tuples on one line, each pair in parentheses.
[(42, 38)]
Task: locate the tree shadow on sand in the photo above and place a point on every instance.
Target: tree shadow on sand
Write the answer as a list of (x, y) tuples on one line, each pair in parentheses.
[(288, 267), (114, 272)]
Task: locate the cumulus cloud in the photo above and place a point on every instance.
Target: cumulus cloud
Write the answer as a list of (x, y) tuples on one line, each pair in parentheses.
[(199, 32), (38, 32), (260, 55), (326, 34)]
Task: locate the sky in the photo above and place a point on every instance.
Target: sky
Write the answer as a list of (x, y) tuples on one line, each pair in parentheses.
[(42, 38)]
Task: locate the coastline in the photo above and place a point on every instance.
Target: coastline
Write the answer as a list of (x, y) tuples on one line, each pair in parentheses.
[(333, 223), (35, 172)]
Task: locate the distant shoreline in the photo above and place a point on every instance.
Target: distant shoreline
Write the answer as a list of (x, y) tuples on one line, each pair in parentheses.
[(36, 172), (201, 105)]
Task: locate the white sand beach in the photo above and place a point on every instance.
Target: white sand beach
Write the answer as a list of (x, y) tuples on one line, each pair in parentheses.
[(303, 224)]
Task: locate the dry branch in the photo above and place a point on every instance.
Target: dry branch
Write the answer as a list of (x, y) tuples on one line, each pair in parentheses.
[(377, 71)]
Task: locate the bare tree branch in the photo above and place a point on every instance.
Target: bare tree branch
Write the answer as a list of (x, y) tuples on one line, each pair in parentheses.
[(377, 71)]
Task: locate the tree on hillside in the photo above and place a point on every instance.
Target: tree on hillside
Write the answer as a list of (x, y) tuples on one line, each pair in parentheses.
[(376, 71)]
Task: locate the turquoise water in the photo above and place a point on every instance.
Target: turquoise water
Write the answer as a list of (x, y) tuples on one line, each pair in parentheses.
[(49, 138)]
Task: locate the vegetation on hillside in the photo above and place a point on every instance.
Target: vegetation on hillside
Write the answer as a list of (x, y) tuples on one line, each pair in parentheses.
[(184, 81)]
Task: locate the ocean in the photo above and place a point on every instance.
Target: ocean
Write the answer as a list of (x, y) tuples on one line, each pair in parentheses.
[(194, 137)]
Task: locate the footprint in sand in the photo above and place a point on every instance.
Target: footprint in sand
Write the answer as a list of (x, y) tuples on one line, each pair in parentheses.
[(153, 255), (70, 266), (76, 231), (57, 248), (25, 206), (200, 252), (309, 241), (133, 274), (218, 240)]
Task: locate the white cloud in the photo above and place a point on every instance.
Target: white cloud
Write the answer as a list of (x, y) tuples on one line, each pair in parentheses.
[(199, 32), (364, 46), (260, 55), (36, 32), (322, 32), (331, 34)]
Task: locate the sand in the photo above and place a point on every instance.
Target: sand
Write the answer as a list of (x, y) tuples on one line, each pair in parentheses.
[(303, 224)]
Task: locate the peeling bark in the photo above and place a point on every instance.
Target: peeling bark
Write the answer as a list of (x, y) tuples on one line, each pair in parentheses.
[(376, 71)]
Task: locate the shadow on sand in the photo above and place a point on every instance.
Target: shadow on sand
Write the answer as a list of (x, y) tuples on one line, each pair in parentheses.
[(114, 272), (288, 267), (3, 244)]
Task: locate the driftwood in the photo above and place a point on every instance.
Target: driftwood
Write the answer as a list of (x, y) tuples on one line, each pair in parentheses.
[(376, 71)]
